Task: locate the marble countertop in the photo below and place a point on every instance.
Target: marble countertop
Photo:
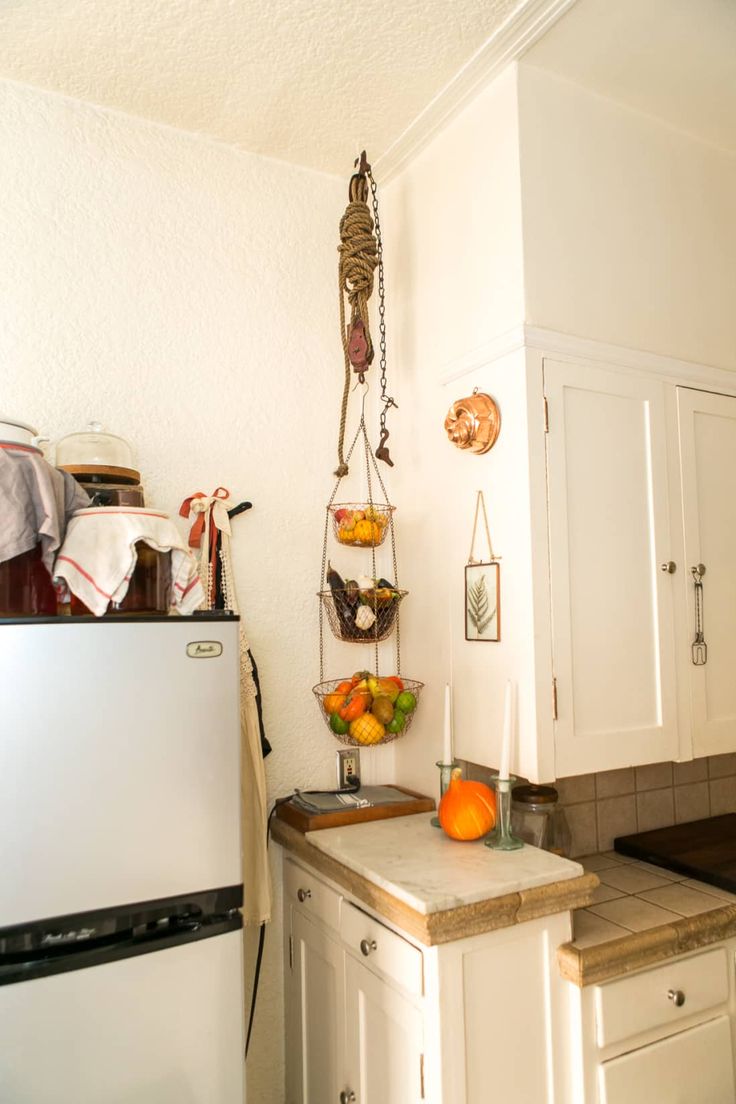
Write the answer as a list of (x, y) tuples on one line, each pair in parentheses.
[(641, 914), (434, 888), (429, 872)]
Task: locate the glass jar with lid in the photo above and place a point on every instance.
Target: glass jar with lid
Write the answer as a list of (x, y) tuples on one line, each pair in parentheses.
[(539, 819), (102, 463), (94, 450)]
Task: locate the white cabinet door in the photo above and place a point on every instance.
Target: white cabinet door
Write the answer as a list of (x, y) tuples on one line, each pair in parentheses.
[(314, 1042), (384, 1040), (692, 1067), (707, 424), (612, 606)]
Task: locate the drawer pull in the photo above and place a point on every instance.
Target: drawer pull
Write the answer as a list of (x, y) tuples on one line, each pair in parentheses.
[(368, 945), (677, 997), (303, 895), (347, 1096)]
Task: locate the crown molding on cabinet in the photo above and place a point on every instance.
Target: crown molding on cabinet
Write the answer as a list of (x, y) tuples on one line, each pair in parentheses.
[(490, 351), (523, 28), (554, 343)]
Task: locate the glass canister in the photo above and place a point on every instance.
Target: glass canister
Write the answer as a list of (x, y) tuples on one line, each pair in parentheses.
[(26, 589), (149, 590), (538, 818)]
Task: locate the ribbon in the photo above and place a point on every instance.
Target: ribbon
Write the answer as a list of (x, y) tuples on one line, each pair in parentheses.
[(198, 506)]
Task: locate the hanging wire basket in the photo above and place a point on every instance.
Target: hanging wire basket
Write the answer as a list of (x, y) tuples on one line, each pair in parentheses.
[(361, 524), (375, 610), (348, 711)]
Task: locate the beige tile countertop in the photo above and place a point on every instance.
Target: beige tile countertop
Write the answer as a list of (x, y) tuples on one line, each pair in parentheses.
[(436, 889), (641, 914)]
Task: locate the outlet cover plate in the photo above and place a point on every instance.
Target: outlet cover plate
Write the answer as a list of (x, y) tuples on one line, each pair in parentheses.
[(348, 767)]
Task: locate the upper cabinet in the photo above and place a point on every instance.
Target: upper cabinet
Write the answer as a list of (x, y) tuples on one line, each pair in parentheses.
[(610, 548), (612, 497), (707, 455)]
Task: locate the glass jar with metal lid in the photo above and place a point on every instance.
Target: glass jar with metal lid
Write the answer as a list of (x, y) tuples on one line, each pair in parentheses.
[(538, 818)]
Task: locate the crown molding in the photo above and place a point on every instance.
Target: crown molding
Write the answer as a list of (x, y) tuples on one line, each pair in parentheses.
[(483, 355), (520, 31), (554, 343)]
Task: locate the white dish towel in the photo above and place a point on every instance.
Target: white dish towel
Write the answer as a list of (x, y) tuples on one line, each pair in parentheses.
[(98, 556)]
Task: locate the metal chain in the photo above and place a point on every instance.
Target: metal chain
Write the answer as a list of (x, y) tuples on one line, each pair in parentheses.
[(386, 399), (323, 576), (370, 460)]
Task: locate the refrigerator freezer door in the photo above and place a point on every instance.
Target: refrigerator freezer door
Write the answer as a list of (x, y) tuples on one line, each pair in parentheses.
[(119, 763), (164, 1028)]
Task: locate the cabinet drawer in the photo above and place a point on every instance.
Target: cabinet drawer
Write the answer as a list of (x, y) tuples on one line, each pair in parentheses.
[(304, 890), (694, 1065), (382, 949), (647, 1001)]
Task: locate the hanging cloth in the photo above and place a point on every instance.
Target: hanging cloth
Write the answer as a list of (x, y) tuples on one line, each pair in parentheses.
[(210, 539)]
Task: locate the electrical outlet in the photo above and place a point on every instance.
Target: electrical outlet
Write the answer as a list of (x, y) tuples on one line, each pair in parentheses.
[(348, 767)]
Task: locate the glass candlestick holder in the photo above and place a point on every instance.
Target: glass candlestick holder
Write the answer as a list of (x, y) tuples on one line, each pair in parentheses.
[(501, 838), (446, 770)]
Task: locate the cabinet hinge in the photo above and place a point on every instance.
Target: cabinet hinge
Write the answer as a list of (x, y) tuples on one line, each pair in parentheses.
[(554, 699), (291, 952), (546, 415), (421, 1074)]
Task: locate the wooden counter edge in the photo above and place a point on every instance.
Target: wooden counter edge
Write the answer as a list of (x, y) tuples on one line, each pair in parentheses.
[(605, 961), (434, 928)]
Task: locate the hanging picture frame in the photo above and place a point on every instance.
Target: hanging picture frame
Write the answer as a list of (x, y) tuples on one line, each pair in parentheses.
[(482, 587)]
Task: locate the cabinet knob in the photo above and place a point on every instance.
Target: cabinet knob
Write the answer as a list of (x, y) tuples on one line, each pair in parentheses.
[(347, 1096), (303, 895), (677, 997), (367, 945), (670, 567)]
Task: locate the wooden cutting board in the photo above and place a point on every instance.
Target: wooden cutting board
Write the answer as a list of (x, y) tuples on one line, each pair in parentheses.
[(309, 822)]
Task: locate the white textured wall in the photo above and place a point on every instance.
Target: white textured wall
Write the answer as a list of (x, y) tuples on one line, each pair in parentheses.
[(454, 279), (184, 294), (629, 225)]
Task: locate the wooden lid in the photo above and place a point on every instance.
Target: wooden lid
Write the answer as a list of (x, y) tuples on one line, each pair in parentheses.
[(111, 474)]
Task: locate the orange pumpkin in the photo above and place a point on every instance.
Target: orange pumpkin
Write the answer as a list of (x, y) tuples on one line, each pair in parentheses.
[(467, 810)]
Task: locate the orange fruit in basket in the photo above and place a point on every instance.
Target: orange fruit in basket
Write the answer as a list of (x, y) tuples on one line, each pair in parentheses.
[(367, 729), (333, 702), (356, 705)]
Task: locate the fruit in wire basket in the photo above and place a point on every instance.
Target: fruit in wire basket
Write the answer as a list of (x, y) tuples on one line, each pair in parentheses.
[(383, 710), (397, 723), (367, 729), (361, 524), (360, 609), (356, 704), (370, 700), (406, 702)]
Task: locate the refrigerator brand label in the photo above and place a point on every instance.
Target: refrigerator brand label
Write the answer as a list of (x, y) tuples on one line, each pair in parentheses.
[(204, 649)]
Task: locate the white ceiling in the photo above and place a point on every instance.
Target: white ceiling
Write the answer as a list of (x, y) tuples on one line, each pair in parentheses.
[(674, 59), (308, 81)]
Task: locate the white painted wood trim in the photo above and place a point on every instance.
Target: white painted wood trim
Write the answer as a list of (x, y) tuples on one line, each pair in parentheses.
[(583, 349), (551, 342), (518, 34)]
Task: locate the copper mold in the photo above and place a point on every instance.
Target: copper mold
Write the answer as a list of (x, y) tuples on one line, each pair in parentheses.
[(474, 423)]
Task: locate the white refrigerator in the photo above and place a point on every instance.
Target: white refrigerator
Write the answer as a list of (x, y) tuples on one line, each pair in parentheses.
[(121, 961)]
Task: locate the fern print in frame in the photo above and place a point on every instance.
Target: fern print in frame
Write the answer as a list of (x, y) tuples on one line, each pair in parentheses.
[(483, 602)]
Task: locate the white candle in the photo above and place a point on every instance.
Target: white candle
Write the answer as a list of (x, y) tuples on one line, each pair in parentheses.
[(504, 770), (447, 748)]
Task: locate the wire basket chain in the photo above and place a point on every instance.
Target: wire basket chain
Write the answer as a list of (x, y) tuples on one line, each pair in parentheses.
[(393, 557)]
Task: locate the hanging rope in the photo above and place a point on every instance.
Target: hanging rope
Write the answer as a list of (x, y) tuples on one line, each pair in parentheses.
[(358, 257)]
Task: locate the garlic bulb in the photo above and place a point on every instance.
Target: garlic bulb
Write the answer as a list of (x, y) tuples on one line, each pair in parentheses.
[(365, 617)]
